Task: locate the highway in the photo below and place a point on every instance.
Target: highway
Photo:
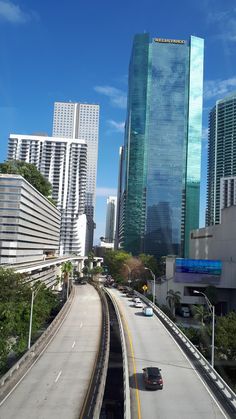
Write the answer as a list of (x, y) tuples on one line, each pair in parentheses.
[(184, 395), (56, 385)]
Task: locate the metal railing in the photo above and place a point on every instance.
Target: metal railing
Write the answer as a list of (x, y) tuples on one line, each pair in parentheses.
[(220, 385)]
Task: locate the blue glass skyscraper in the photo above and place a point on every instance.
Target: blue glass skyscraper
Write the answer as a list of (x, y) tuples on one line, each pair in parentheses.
[(159, 198)]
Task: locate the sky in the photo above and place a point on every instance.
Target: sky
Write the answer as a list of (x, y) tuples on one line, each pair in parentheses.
[(61, 50)]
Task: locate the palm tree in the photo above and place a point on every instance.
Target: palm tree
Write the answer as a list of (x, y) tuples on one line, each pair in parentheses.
[(173, 299), (66, 269), (200, 313)]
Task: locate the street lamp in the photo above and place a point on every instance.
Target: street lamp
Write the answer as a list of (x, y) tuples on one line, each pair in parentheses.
[(154, 283), (127, 266), (33, 295), (211, 308)]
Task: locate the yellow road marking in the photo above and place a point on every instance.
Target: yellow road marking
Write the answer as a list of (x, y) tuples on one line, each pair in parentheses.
[(133, 362)]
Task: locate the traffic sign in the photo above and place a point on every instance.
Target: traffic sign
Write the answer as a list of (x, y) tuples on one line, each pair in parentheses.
[(144, 287)]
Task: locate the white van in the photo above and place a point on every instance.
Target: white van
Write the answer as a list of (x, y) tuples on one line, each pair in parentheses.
[(147, 311), (185, 312)]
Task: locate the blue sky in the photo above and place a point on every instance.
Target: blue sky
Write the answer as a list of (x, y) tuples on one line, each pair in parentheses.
[(75, 50)]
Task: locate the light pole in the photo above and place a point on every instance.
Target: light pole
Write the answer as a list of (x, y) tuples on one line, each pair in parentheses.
[(211, 308), (154, 283), (33, 295), (127, 266)]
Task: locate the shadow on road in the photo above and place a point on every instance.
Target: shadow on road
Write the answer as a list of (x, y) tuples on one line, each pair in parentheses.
[(136, 381)]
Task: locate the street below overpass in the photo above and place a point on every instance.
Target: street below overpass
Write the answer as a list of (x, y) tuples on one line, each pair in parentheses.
[(185, 395), (57, 384)]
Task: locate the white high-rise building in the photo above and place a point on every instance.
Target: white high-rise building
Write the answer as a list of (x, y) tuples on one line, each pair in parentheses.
[(63, 162), (227, 192), (81, 120), (111, 219)]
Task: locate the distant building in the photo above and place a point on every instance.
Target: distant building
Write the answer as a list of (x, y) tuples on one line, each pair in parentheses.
[(160, 176), (63, 162), (111, 219), (29, 223), (213, 262), (100, 250), (221, 158), (81, 121)]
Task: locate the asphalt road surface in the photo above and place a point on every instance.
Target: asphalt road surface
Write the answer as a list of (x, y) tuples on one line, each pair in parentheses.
[(56, 385), (184, 395)]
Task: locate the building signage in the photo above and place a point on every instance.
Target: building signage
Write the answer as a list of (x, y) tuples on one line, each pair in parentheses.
[(169, 41), (199, 266), (199, 271)]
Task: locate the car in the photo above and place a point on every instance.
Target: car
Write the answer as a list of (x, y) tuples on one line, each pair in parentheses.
[(138, 304), (130, 294), (152, 378), (83, 282), (147, 311), (136, 299)]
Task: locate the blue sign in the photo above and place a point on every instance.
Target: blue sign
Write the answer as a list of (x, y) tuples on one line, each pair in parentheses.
[(198, 266)]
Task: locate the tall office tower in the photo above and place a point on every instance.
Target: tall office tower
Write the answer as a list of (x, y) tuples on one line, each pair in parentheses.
[(63, 162), (111, 219), (221, 153), (162, 149), (81, 120), (119, 202)]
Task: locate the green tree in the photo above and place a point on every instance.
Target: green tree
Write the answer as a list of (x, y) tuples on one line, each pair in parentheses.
[(115, 260), (200, 314), (15, 302), (149, 261), (225, 339), (66, 269), (173, 299), (30, 173), (156, 266), (96, 271)]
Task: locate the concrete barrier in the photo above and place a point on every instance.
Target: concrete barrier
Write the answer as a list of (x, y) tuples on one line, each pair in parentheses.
[(127, 412), (93, 401)]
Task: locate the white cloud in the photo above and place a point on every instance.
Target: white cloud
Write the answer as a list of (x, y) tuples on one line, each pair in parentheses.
[(117, 97), (103, 191), (224, 21), (219, 88), (116, 126), (13, 13)]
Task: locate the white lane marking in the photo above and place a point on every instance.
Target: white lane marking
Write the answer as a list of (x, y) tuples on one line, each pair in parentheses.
[(194, 369), (73, 344), (58, 376), (81, 325)]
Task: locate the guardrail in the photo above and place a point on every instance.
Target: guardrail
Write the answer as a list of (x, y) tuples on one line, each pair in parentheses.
[(13, 376), (94, 398), (127, 414), (226, 392)]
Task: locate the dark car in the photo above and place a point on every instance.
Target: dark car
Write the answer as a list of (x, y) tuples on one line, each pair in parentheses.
[(152, 378)]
